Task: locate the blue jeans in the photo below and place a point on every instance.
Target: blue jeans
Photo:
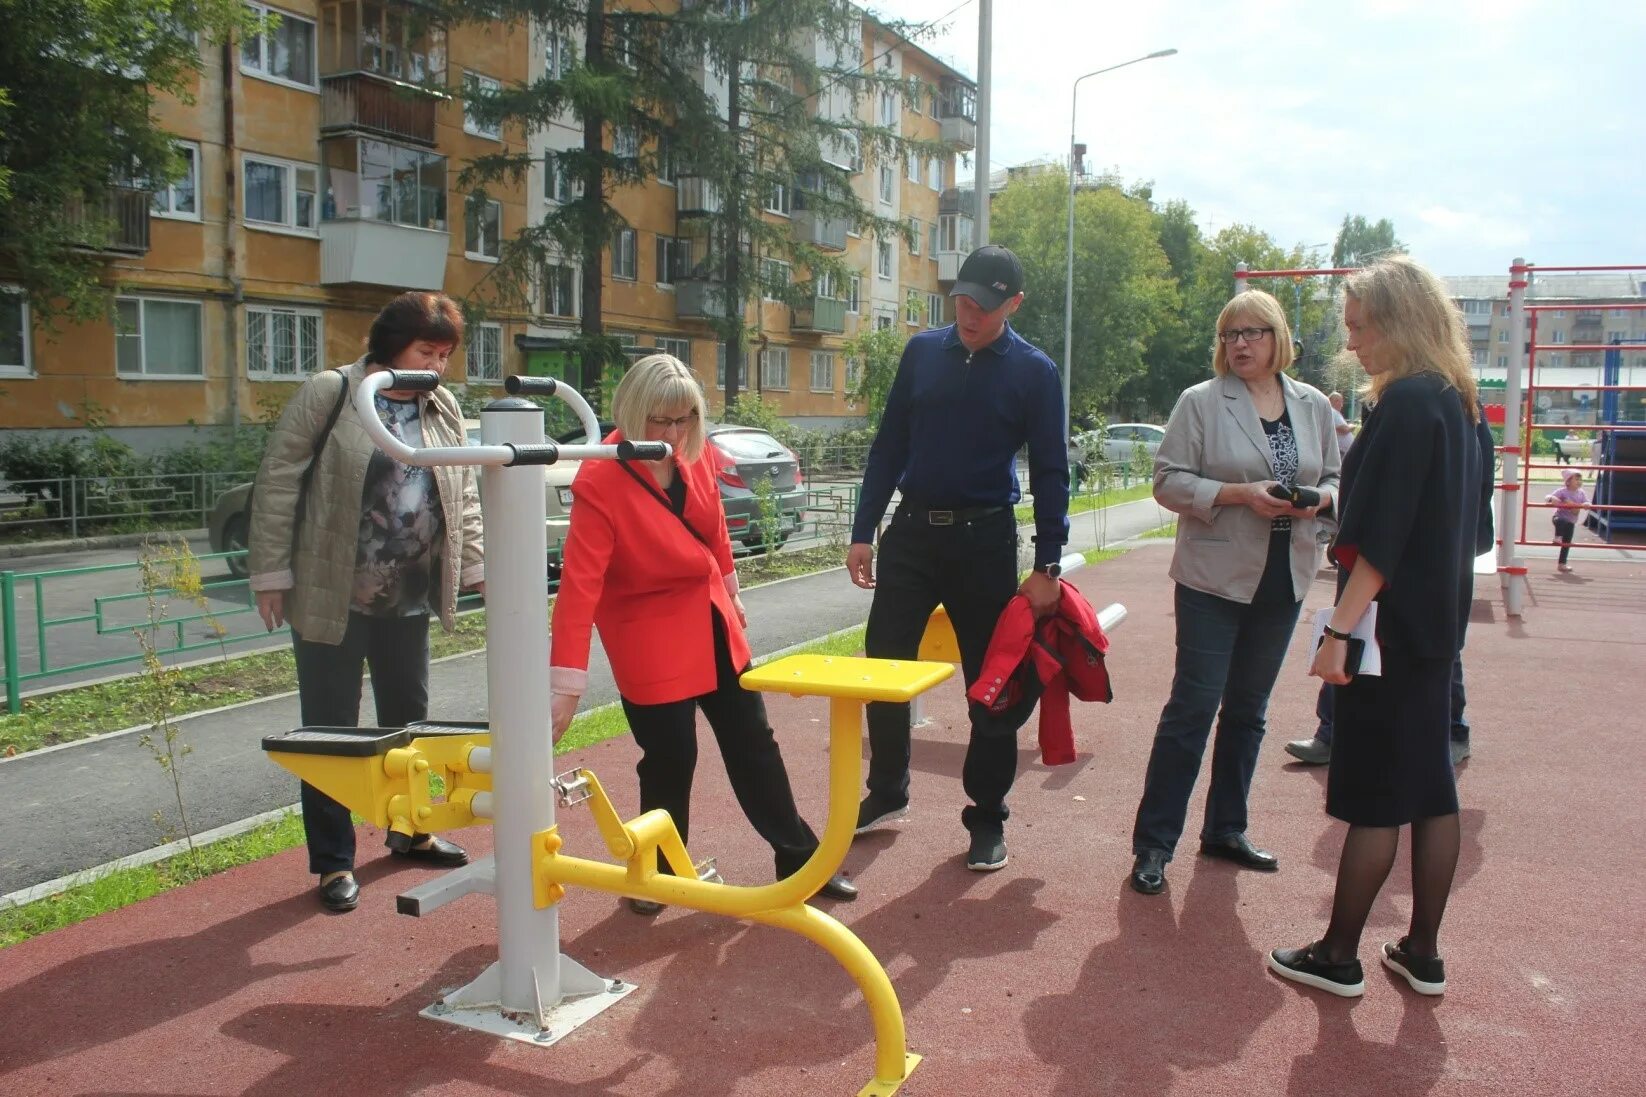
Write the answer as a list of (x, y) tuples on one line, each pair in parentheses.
[(1460, 723), (1228, 657)]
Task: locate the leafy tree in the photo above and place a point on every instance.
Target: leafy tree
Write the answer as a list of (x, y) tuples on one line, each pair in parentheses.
[(874, 354), (747, 97), (78, 84), (1359, 241)]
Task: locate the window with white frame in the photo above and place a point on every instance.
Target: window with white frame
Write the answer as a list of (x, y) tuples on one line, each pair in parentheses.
[(1503, 335), (558, 55), (887, 183), (558, 184), (668, 164), (914, 101), (482, 228), (483, 356), (915, 236), (285, 54), (825, 285), (912, 163), (181, 199), (774, 277), (1478, 354), (822, 371), (282, 344), (720, 368), (934, 310), (281, 193), (624, 265), (560, 289), (680, 348), (774, 368), (1557, 359), (882, 258), (856, 166), (477, 87), (885, 319), (854, 293), (14, 333), (931, 239), (624, 33), (625, 142), (777, 201), (674, 259), (1559, 336), (854, 371), (913, 307), (1503, 361), (157, 337), (934, 173)]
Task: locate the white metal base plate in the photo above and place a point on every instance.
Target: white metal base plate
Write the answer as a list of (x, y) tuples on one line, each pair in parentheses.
[(461, 1007)]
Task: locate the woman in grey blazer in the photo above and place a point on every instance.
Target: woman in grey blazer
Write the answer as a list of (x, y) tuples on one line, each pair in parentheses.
[(1243, 559)]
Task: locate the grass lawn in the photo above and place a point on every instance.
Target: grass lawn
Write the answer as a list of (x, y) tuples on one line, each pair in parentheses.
[(1082, 502)]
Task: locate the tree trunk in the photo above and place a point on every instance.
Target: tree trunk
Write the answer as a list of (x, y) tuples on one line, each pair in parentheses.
[(594, 189)]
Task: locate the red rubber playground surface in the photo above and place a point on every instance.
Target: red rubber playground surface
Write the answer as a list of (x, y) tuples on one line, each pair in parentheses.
[(1048, 977)]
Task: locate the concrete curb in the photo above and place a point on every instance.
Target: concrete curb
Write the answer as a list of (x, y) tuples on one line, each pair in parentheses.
[(83, 544)]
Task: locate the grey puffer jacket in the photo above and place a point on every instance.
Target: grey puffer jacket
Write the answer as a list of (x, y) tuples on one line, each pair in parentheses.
[(320, 578)]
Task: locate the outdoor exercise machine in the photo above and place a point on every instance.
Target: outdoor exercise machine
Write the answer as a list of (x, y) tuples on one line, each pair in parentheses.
[(504, 771)]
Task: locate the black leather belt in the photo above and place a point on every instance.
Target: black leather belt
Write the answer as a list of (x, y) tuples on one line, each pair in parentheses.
[(955, 516)]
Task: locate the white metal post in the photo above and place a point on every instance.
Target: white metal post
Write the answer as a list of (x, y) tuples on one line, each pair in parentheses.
[(1508, 512)]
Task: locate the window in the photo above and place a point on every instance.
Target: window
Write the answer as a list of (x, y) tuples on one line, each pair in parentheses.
[(623, 255), (1559, 336), (954, 233), (482, 228), (854, 293), (181, 199), (1617, 313), (624, 32), (1503, 361), (912, 307), (931, 240), (560, 289), (674, 259), (374, 180), (558, 184), (822, 371), (1557, 359), (914, 236), (886, 183), (156, 337), (1560, 314), (778, 200), (720, 368), (281, 343), (558, 54), (774, 277), (914, 100), (883, 258), (934, 173), (934, 310), (280, 193), (774, 368), (888, 109), (854, 372), (856, 165), (1503, 335), (668, 167), (1478, 354), (680, 348), (824, 286), (285, 54), (14, 333), (483, 356), (477, 88), (913, 165), (625, 143), (885, 319)]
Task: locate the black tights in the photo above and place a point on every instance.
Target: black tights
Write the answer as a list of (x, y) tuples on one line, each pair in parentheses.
[(1368, 855)]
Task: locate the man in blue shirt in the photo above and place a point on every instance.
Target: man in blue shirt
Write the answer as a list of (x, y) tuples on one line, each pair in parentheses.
[(965, 400)]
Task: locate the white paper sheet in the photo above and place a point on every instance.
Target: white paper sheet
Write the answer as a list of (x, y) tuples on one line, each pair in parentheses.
[(1371, 660)]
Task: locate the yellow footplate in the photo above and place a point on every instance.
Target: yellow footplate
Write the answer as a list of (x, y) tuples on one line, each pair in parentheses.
[(877, 1088), (847, 676)]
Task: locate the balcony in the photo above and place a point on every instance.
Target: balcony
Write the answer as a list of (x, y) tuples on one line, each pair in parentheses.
[(363, 102), (957, 114), (700, 299), (115, 221), (823, 315), (958, 133), (382, 253), (695, 196), (819, 230), (948, 265)]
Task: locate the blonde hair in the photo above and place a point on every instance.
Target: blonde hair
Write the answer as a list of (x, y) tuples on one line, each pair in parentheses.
[(1263, 307), (1420, 325), (657, 385)]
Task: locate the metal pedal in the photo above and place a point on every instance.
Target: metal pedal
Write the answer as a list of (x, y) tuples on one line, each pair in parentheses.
[(572, 787), (707, 873)]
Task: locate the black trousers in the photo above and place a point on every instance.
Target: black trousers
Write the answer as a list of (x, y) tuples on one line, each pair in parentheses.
[(328, 689), (1564, 531), (667, 737), (971, 570)]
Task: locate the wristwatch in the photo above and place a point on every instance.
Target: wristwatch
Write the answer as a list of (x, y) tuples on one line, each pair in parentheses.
[(1050, 571)]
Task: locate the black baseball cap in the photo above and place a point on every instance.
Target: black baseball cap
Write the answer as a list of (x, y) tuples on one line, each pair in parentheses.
[(991, 276)]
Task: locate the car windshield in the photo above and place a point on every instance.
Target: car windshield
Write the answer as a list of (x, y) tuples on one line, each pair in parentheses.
[(748, 445)]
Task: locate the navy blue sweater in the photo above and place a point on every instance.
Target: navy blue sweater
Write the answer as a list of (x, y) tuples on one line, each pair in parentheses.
[(953, 424)]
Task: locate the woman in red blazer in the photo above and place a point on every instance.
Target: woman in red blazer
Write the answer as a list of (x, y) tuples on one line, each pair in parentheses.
[(648, 562)]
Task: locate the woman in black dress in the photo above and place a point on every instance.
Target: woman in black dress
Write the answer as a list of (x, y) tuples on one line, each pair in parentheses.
[(1409, 499)]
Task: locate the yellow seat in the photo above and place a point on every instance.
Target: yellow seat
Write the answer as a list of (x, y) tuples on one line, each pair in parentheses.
[(847, 676)]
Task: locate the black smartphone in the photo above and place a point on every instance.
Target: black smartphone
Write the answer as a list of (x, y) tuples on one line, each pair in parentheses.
[(1299, 498), (1355, 649)]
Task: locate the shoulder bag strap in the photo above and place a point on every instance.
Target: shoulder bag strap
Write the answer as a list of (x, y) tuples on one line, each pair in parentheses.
[(314, 459), (651, 489)]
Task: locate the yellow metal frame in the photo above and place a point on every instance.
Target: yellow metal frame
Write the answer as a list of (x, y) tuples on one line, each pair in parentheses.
[(849, 683)]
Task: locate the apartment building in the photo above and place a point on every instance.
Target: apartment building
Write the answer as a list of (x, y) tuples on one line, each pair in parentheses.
[(323, 179)]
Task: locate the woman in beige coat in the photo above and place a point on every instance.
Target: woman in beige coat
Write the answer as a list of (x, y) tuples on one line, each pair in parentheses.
[(358, 552)]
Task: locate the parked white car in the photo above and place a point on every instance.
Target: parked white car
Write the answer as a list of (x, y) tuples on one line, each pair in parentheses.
[(1117, 442)]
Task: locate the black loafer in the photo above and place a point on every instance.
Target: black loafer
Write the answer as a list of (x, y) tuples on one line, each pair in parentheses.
[(840, 888), (437, 852), (1239, 849), (1149, 872), (341, 895), (1343, 978)]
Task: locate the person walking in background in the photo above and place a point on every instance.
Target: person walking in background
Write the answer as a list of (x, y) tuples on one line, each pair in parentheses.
[(1409, 508), (1239, 450), (1345, 432), (357, 551), (1566, 517), (965, 400)]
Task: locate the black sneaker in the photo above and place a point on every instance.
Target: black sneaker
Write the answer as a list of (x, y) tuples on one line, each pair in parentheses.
[(875, 810), (987, 853), (1344, 979), (1426, 974)]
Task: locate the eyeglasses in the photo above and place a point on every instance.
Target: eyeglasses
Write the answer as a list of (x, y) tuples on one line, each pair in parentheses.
[(1251, 335), (664, 422)]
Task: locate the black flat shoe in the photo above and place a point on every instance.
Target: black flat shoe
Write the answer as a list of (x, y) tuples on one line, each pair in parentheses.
[(1343, 978), (437, 852), (644, 906), (1149, 872), (840, 888), (341, 895), (1239, 849)]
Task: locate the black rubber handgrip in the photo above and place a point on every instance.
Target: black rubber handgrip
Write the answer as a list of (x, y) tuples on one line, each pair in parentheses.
[(516, 385), (542, 453), (413, 380), (642, 451)]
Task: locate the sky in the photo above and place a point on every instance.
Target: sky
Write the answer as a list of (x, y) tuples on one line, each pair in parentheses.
[(1484, 129)]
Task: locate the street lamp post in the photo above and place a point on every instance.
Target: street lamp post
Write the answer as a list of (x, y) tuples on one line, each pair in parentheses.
[(1068, 283)]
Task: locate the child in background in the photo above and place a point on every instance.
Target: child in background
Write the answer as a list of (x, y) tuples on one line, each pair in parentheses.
[(1566, 517)]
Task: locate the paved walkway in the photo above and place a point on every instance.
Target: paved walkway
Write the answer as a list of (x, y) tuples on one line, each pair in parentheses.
[(1049, 977)]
